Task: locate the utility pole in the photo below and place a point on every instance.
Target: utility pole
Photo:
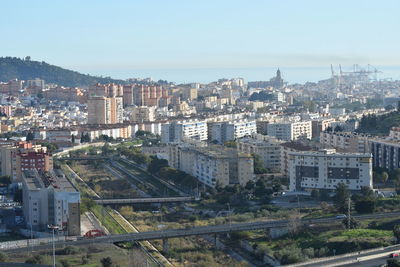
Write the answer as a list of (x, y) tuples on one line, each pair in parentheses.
[(53, 227), (348, 212), (229, 211)]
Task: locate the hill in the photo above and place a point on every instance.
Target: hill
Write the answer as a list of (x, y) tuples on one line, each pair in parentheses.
[(379, 125), (26, 69)]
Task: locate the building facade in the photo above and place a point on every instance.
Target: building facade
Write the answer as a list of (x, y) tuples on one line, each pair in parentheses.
[(268, 148), (290, 131), (220, 132), (178, 131), (50, 199), (105, 110), (213, 165), (325, 169)]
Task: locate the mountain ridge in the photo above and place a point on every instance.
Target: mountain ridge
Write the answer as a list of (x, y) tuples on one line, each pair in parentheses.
[(27, 69)]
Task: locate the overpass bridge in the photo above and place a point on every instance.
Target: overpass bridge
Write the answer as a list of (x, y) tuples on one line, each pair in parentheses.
[(144, 200), (82, 158), (202, 230)]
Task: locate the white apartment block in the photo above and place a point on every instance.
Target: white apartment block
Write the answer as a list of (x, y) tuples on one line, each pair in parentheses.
[(345, 141), (268, 148), (213, 165), (50, 199), (178, 131), (289, 131), (221, 132), (325, 169)]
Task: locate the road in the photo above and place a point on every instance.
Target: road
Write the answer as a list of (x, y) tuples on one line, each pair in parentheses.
[(213, 229), (366, 258)]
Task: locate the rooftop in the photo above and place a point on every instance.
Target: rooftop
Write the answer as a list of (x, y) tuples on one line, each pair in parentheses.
[(36, 180)]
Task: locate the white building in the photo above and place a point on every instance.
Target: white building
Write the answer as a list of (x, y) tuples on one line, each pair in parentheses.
[(177, 131), (289, 131), (345, 141), (50, 199), (230, 130), (212, 165), (325, 169)]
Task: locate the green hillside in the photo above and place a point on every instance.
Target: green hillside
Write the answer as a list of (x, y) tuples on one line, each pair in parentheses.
[(26, 69)]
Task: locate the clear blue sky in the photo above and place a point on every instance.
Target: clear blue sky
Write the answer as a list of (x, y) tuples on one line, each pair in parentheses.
[(128, 38)]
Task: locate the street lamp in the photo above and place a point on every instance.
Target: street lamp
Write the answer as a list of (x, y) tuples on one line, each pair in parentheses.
[(54, 227)]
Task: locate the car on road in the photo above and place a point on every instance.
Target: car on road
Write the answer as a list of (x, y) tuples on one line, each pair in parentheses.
[(341, 216), (394, 255)]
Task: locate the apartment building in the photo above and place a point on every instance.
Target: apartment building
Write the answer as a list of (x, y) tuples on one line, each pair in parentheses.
[(268, 148), (105, 110), (326, 168), (289, 131), (33, 160), (142, 114), (212, 165), (221, 132), (286, 149), (11, 154), (106, 90), (145, 95), (50, 199), (345, 141), (179, 130)]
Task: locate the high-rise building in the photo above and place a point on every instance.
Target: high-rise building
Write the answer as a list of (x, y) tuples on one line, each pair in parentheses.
[(145, 95), (105, 110), (107, 90)]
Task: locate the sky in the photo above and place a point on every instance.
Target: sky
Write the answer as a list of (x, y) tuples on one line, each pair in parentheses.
[(200, 40)]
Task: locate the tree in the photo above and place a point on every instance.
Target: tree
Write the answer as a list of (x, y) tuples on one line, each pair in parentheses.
[(341, 197), (353, 223), (30, 136), (258, 165), (18, 195), (5, 180), (395, 175), (315, 194), (106, 262), (384, 177), (365, 205), (231, 143), (393, 263), (3, 257), (156, 164), (396, 233), (106, 149), (338, 128)]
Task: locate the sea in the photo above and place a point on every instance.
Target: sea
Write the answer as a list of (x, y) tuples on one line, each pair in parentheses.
[(205, 75)]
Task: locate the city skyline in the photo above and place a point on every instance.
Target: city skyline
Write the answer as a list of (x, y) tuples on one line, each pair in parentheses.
[(202, 41)]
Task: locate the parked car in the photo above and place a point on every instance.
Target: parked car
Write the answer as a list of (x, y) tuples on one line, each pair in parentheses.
[(394, 255), (341, 216)]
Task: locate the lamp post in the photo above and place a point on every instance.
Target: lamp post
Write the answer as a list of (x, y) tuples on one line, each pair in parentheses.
[(53, 227)]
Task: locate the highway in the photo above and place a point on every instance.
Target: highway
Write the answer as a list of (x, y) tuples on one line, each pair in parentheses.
[(204, 230)]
